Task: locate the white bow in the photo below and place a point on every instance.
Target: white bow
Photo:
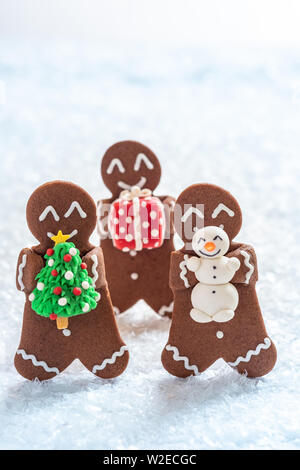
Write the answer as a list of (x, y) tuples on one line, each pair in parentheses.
[(133, 192)]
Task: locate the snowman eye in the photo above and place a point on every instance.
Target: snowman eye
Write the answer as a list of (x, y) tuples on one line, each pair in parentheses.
[(201, 240), (217, 237)]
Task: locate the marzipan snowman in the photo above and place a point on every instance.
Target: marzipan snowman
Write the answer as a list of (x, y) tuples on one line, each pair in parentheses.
[(241, 339), (93, 338), (131, 274), (213, 298)]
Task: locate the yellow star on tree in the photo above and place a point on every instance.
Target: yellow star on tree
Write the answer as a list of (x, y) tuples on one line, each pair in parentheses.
[(60, 238)]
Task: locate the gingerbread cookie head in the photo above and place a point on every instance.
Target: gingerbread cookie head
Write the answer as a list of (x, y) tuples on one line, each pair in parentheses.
[(206, 205), (127, 164), (64, 206)]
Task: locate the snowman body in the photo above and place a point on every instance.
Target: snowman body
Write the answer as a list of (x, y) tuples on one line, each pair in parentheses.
[(214, 298), (214, 293)]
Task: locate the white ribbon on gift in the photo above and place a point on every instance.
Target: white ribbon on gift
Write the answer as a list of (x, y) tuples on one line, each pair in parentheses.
[(135, 191)]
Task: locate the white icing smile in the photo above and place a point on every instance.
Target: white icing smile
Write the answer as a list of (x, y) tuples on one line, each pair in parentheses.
[(72, 234), (140, 183)]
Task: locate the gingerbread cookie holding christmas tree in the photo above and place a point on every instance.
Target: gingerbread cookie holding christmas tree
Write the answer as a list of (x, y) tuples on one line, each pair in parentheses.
[(68, 312), (216, 311), (134, 227)]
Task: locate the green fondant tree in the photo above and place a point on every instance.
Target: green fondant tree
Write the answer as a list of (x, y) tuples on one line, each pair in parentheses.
[(64, 288)]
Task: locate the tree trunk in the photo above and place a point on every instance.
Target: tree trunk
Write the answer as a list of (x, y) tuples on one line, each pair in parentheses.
[(62, 323)]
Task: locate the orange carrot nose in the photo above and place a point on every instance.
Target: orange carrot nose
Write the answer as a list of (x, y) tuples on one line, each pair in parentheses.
[(209, 246)]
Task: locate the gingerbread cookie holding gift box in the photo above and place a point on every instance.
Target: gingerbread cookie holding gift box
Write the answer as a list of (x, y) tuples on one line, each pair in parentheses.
[(68, 312), (216, 311), (134, 227)]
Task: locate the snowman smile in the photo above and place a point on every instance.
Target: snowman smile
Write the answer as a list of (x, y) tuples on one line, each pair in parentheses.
[(211, 256)]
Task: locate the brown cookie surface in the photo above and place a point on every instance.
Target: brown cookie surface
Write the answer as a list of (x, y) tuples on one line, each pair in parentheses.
[(135, 274), (197, 338), (44, 350)]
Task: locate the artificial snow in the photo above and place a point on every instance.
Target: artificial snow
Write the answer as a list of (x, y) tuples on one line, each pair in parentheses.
[(226, 118)]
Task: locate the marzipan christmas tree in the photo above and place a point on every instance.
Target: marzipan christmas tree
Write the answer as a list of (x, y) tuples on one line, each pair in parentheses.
[(64, 288)]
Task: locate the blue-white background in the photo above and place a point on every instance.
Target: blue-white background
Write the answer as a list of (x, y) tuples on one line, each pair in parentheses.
[(214, 89)]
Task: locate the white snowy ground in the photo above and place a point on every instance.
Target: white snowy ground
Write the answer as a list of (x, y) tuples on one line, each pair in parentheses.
[(226, 118)]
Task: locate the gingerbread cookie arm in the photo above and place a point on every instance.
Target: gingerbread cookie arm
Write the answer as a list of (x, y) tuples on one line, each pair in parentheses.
[(103, 207), (180, 277), (95, 266), (247, 273), (28, 266)]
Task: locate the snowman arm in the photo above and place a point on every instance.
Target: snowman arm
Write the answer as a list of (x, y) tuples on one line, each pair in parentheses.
[(193, 263), (247, 273), (103, 207), (28, 266), (95, 267), (180, 277)]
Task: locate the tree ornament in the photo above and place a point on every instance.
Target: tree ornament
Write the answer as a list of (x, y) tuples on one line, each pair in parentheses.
[(59, 294)]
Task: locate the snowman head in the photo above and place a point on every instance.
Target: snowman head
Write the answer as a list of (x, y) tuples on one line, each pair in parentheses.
[(210, 242), (127, 164)]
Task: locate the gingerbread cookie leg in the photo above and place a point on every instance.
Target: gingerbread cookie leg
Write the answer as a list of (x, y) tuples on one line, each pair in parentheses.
[(35, 357), (177, 361), (105, 354), (258, 361), (162, 304)]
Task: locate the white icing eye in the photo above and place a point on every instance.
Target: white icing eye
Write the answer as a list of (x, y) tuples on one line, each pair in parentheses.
[(116, 162), (221, 207), (46, 212), (190, 211), (142, 158), (75, 205)]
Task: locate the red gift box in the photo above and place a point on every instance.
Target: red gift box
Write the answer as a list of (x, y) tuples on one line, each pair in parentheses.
[(137, 220)]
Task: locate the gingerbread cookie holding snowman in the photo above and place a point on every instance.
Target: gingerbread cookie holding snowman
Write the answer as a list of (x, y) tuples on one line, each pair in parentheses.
[(216, 311)]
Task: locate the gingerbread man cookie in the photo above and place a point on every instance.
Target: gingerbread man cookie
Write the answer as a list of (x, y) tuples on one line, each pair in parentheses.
[(137, 241), (92, 336), (216, 311)]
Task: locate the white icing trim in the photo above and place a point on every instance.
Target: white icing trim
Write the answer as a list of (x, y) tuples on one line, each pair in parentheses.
[(190, 211), (115, 162), (37, 363), (140, 183), (111, 360), (248, 264), (265, 345), (75, 205), (183, 273), (185, 359), (137, 224), (101, 222), (21, 267), (94, 268), (116, 310), (46, 212), (222, 207), (166, 308), (142, 158)]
